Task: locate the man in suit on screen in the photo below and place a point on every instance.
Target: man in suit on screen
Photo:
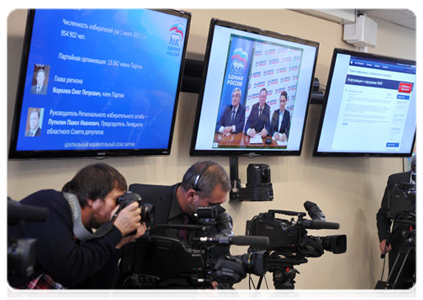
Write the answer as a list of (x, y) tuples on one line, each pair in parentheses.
[(258, 120), (34, 124), (233, 117), (40, 88), (281, 120)]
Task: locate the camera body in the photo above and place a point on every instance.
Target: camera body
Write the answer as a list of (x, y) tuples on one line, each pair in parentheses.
[(157, 261), (402, 210), (290, 238), (147, 210), (402, 200), (21, 251)]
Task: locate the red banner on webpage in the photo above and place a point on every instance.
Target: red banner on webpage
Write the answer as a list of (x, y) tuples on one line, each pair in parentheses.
[(405, 87)]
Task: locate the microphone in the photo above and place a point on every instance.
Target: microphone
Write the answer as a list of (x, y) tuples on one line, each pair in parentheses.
[(240, 240), (314, 211), (318, 224)]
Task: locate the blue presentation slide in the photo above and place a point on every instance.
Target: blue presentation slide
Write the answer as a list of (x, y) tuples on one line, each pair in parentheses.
[(101, 79)]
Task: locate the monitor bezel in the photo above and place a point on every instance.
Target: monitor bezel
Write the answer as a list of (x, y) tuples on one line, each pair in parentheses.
[(46, 154), (317, 153), (254, 152)]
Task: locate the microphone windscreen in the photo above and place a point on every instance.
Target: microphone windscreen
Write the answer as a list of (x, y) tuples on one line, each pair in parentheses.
[(318, 224), (248, 240)]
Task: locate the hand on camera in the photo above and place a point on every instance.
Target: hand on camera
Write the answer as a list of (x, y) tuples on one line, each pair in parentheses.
[(208, 294), (128, 221)]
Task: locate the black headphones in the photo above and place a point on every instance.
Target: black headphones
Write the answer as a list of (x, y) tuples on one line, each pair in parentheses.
[(197, 179)]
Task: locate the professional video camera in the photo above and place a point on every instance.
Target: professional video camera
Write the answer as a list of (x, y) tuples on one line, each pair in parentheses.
[(21, 251), (402, 201), (156, 261), (289, 243)]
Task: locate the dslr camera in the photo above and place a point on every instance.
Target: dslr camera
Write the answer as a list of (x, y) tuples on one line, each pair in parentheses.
[(147, 210)]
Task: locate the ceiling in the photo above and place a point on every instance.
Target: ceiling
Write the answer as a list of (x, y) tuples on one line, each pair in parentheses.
[(401, 17)]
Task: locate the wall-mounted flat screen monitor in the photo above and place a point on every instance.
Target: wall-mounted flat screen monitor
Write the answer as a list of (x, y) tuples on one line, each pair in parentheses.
[(255, 94), (99, 82), (369, 107)]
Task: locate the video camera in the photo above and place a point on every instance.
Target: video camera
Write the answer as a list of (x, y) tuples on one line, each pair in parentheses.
[(21, 251), (404, 209), (290, 236), (402, 200), (289, 243), (156, 261)]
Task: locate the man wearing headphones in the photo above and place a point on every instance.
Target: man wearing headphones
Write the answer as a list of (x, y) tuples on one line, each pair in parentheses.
[(204, 184)]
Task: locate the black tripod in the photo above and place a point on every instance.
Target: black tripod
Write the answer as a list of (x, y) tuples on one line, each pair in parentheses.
[(283, 270), (407, 256)]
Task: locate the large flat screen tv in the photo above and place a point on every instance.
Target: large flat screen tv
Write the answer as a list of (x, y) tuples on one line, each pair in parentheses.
[(369, 107), (99, 82), (255, 94)]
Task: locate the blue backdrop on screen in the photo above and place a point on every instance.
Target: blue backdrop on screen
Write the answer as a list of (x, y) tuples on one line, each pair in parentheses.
[(111, 82), (237, 70)]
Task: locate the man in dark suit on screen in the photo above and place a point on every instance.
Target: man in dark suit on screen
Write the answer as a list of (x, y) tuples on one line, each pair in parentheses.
[(233, 117), (34, 124), (258, 120), (281, 120), (40, 88)]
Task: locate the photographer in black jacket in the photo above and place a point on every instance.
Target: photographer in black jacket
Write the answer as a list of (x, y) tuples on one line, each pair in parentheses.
[(69, 254), (395, 239)]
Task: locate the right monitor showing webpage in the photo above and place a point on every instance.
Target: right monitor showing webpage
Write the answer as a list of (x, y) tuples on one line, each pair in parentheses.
[(369, 107)]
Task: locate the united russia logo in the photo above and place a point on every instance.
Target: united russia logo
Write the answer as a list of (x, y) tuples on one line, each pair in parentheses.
[(176, 38), (176, 33), (239, 60)]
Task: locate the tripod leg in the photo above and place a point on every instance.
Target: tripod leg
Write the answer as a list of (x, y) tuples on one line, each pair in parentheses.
[(402, 267)]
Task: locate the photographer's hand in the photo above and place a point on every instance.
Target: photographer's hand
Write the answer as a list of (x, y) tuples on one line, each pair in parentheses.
[(128, 219), (129, 238), (208, 294), (384, 248)]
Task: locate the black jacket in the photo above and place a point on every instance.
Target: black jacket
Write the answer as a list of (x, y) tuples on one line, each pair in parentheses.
[(91, 264)]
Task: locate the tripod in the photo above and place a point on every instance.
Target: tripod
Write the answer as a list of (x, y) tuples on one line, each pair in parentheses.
[(410, 257), (283, 270)]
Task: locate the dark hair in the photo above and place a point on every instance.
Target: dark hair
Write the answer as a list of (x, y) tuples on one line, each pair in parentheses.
[(284, 93), (35, 110), (94, 182), (211, 174), (263, 89)]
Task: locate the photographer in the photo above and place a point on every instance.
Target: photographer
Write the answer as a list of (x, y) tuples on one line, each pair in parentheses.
[(69, 254), (391, 241), (204, 184)]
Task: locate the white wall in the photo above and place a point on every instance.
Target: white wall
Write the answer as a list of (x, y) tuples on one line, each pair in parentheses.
[(348, 190)]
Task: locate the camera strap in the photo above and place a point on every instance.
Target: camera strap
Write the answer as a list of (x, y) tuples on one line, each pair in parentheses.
[(79, 230)]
